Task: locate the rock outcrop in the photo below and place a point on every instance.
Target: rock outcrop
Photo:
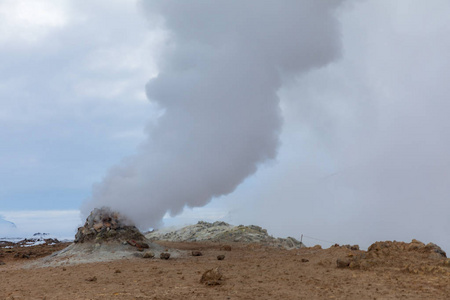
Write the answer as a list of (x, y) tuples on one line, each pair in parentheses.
[(224, 232), (104, 225), (415, 257)]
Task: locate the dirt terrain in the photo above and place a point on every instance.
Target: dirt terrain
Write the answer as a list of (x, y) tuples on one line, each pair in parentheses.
[(388, 270)]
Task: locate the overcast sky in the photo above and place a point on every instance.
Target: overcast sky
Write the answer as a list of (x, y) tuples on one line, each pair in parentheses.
[(364, 152)]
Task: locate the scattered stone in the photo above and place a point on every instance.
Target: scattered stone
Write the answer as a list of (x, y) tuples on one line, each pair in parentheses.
[(212, 277), (164, 255), (220, 257), (225, 248), (148, 254), (196, 253), (354, 247), (92, 279), (304, 260), (117, 271)]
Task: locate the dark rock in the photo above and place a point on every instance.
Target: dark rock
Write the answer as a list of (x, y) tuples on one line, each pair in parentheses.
[(196, 253), (220, 257), (93, 279), (164, 255), (2, 263), (148, 254), (304, 260), (342, 263), (354, 247), (212, 277)]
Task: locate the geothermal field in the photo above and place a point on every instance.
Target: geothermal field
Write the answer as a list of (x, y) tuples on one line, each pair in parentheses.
[(323, 117), (111, 259)]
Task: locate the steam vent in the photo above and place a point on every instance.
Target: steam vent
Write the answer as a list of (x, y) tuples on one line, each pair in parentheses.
[(105, 225), (106, 236)]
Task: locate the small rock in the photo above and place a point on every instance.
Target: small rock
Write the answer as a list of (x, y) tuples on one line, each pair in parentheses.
[(164, 255), (212, 277), (91, 279), (304, 260), (225, 248), (220, 257), (317, 247), (2, 263), (117, 271), (196, 253), (354, 247), (148, 254), (342, 263)]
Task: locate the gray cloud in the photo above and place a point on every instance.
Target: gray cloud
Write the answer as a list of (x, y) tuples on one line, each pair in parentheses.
[(217, 86), (71, 95)]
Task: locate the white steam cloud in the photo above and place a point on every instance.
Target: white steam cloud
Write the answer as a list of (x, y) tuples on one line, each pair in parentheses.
[(217, 87)]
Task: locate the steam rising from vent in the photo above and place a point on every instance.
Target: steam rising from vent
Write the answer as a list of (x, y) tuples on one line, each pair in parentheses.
[(217, 86)]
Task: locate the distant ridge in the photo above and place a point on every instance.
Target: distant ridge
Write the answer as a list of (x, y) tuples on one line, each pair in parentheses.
[(6, 224)]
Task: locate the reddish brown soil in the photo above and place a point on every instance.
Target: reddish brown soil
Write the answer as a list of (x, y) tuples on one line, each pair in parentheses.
[(249, 272)]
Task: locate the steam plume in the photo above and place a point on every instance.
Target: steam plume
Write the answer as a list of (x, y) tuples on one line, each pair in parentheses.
[(217, 86)]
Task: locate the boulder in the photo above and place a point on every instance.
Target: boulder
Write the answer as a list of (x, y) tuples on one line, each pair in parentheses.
[(148, 254), (212, 277)]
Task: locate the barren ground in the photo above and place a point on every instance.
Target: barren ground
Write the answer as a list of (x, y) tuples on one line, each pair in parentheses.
[(249, 272)]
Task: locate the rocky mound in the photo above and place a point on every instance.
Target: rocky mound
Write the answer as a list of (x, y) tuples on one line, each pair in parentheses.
[(223, 232), (104, 225), (105, 236), (415, 257)]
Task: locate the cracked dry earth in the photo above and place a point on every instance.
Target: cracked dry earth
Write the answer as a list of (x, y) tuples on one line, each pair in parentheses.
[(248, 272)]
